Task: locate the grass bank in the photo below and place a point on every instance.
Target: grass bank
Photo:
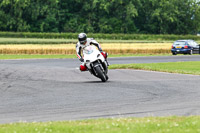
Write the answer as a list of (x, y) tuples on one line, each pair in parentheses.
[(119, 125), (29, 56), (62, 56), (192, 67)]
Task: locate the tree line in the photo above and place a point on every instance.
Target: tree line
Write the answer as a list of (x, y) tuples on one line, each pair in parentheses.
[(101, 16)]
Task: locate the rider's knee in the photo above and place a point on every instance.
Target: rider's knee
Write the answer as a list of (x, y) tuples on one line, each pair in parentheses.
[(83, 68)]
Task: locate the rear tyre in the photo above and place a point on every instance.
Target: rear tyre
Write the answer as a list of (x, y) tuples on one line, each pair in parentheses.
[(101, 74), (191, 52), (174, 53)]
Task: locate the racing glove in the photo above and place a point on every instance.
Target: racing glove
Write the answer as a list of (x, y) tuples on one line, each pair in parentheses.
[(104, 54), (81, 59)]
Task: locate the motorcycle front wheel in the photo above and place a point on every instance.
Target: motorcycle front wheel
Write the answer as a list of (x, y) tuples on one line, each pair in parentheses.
[(101, 74)]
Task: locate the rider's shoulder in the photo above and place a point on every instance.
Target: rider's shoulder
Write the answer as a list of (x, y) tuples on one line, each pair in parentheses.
[(78, 44), (90, 39)]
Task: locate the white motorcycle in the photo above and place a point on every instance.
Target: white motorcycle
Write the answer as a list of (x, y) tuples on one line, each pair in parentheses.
[(95, 62)]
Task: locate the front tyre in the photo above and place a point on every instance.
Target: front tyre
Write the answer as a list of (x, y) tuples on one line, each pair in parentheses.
[(101, 74)]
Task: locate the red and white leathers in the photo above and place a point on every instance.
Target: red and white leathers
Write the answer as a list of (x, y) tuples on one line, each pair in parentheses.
[(80, 46)]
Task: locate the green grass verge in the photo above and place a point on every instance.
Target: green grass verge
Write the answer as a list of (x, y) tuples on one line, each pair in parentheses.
[(192, 67), (119, 125), (10, 56), (27, 56), (135, 55)]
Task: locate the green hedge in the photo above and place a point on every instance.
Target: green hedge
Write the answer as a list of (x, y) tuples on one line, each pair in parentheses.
[(99, 36), (37, 35)]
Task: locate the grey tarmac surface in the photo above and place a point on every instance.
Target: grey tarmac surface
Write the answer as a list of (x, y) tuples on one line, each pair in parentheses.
[(54, 90)]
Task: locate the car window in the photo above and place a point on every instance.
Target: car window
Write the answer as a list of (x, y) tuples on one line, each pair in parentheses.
[(179, 43), (190, 43), (195, 44)]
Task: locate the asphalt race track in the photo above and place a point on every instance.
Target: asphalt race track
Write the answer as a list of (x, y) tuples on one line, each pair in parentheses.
[(54, 90)]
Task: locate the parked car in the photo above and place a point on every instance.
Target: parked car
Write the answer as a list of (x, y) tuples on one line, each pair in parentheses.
[(185, 47)]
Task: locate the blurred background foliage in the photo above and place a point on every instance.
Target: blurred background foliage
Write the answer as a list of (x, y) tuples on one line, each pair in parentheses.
[(101, 16)]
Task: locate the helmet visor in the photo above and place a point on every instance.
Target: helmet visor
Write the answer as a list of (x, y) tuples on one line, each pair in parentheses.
[(82, 42)]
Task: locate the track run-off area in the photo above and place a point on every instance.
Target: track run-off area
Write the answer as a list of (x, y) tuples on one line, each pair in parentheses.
[(55, 90)]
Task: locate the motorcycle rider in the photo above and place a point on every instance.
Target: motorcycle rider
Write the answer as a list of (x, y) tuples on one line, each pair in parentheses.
[(83, 41)]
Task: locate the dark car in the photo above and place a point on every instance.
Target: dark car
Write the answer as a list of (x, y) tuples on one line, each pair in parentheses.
[(185, 47)]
